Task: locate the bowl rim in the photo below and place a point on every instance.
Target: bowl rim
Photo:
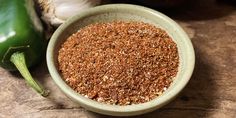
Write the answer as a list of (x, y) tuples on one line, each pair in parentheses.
[(155, 103)]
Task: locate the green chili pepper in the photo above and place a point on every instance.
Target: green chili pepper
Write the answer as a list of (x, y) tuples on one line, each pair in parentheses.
[(22, 42)]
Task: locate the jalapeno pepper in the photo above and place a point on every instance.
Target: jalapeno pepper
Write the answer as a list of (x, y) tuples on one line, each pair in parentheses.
[(22, 42)]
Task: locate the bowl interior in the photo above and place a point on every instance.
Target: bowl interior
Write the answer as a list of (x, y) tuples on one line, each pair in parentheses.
[(107, 13)]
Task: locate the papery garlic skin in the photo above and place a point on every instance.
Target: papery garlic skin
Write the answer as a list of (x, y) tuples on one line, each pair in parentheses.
[(55, 12)]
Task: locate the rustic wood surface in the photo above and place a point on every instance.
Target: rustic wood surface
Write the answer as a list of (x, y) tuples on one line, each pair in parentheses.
[(211, 92)]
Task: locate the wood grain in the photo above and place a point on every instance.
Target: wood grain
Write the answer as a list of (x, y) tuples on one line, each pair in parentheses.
[(209, 94)]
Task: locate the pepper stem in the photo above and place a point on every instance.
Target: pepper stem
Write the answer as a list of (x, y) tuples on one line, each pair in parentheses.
[(18, 59)]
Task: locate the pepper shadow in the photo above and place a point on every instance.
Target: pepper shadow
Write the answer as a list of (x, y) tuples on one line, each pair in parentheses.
[(40, 72)]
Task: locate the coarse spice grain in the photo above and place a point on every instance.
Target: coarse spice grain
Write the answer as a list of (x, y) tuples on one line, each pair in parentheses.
[(119, 62)]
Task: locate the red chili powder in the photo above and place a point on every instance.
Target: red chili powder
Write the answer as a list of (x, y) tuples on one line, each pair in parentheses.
[(119, 62)]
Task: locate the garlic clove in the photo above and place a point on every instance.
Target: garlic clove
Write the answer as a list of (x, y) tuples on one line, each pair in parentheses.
[(71, 8), (55, 12)]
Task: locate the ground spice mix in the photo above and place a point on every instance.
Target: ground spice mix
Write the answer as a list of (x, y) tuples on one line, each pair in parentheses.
[(119, 62)]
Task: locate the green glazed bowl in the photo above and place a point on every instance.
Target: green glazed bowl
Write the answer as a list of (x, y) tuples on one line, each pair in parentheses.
[(123, 12)]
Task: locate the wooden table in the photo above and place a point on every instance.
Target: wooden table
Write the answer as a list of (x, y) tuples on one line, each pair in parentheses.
[(211, 92)]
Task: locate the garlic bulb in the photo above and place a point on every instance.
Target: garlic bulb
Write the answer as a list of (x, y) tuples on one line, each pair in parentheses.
[(55, 12)]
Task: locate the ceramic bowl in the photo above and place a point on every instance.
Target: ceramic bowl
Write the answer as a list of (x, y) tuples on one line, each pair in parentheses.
[(123, 12)]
